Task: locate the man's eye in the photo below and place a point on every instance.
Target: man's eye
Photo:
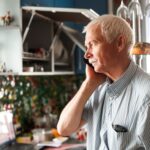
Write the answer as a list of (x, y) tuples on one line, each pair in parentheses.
[(86, 48), (92, 44)]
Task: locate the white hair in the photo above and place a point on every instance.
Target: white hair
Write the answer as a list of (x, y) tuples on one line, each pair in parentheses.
[(111, 27)]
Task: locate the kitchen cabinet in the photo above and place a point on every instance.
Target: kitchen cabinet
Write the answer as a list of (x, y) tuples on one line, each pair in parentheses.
[(49, 44), (64, 3), (102, 8), (42, 40), (48, 3), (49, 50)]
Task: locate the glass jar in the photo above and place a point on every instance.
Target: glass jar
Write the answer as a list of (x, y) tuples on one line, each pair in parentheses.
[(123, 11), (136, 16)]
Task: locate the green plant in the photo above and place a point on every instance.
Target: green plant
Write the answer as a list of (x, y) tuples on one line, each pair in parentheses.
[(31, 97)]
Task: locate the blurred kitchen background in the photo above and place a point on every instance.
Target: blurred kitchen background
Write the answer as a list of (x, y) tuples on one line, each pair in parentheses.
[(42, 48)]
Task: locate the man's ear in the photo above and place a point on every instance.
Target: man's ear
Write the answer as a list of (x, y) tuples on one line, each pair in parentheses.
[(121, 42)]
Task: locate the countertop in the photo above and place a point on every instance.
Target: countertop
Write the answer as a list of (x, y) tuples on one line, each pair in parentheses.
[(70, 144)]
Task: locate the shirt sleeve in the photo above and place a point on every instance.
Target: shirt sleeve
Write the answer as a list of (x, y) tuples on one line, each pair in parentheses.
[(86, 109), (144, 126), (93, 102)]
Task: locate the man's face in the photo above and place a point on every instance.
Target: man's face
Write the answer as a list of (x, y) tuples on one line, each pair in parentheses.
[(100, 53)]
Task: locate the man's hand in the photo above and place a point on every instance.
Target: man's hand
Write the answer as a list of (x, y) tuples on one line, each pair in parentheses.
[(93, 77)]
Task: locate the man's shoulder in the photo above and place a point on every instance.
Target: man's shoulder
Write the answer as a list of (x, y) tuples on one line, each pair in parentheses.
[(141, 81), (141, 77)]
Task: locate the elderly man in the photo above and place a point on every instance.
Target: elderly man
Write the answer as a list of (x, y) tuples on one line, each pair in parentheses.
[(114, 98)]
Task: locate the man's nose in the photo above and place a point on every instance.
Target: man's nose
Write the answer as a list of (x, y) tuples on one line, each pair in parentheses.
[(87, 55)]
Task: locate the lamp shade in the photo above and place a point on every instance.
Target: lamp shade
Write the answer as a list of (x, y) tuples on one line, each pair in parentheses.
[(141, 48)]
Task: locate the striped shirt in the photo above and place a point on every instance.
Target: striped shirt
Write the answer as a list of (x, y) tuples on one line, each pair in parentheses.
[(126, 103)]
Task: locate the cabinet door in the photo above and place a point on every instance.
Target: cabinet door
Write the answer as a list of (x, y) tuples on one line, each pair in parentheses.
[(79, 63), (100, 6), (49, 3), (64, 3), (47, 46)]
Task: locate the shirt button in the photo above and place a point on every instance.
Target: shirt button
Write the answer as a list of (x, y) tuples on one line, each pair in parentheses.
[(110, 98)]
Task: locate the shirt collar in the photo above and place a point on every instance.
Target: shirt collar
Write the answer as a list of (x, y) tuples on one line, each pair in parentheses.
[(117, 87)]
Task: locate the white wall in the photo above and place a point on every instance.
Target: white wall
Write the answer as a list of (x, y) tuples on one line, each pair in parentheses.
[(10, 36), (11, 48)]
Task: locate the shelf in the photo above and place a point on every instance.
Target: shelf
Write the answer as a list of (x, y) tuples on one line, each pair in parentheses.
[(47, 73), (8, 73), (61, 64), (9, 27), (35, 58), (36, 73)]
